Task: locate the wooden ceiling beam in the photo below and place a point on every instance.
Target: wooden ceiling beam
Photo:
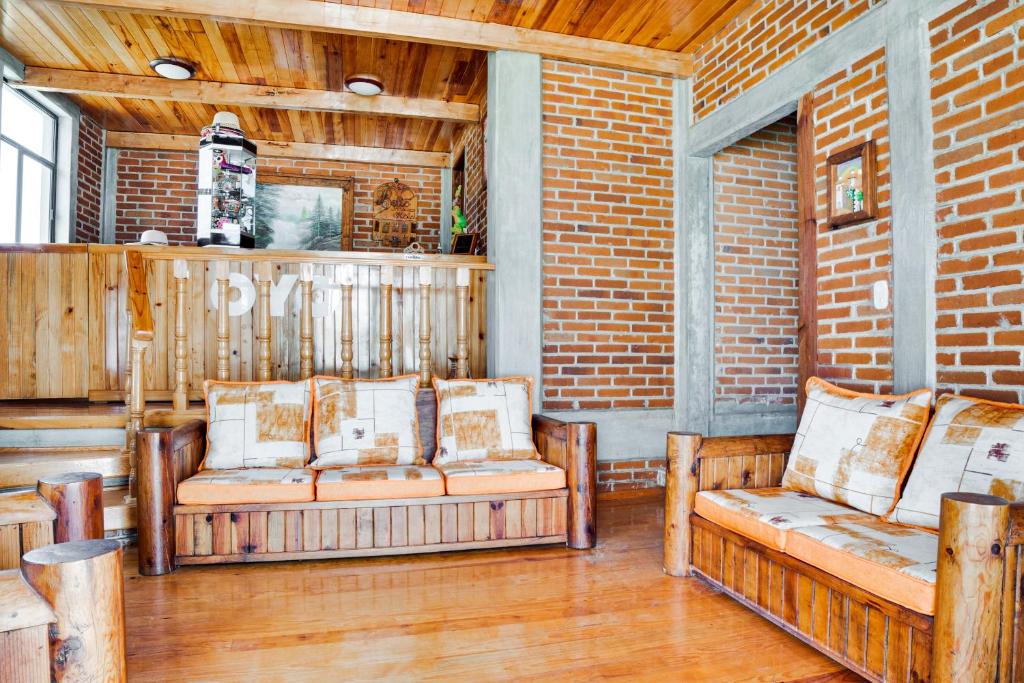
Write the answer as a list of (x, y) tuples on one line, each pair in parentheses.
[(241, 94), (288, 150), (330, 17)]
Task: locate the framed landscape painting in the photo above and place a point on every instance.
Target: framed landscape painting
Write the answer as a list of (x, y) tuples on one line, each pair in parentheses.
[(303, 212)]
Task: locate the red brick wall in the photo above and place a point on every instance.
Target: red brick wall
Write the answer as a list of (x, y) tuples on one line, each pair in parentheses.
[(157, 190), (608, 238), (760, 40), (475, 190), (90, 181), (978, 106), (854, 339), (756, 269), (629, 475)]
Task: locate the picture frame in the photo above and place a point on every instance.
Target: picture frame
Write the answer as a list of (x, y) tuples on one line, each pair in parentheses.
[(304, 212), (852, 185), (464, 243)]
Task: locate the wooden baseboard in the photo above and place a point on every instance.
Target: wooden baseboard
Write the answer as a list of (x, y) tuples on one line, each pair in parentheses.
[(633, 495)]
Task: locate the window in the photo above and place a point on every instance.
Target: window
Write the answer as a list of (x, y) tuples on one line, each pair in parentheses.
[(28, 152)]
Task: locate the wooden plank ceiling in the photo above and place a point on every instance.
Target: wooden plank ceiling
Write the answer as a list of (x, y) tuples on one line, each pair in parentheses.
[(51, 35), (673, 25), (88, 37)]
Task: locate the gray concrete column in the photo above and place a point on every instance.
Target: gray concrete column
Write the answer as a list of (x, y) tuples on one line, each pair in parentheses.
[(514, 220), (446, 210)]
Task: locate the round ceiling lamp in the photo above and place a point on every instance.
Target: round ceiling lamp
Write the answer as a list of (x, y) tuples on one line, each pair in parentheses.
[(173, 68), (364, 84)]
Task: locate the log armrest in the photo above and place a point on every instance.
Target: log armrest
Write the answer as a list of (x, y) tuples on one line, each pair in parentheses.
[(573, 447), (694, 464), (166, 456)]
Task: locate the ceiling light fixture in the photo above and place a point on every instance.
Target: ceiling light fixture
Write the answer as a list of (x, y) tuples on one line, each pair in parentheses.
[(173, 68), (364, 84)]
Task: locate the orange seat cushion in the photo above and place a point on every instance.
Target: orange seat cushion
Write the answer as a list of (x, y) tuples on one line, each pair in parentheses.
[(893, 562), (372, 482), (250, 485), (477, 477), (766, 515)]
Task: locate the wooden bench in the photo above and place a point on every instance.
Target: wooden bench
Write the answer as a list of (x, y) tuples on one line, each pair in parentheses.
[(976, 634), (171, 535)]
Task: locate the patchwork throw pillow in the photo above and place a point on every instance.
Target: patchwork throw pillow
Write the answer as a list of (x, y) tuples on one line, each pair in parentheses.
[(486, 419), (855, 448), (256, 424), (972, 445), (366, 422)]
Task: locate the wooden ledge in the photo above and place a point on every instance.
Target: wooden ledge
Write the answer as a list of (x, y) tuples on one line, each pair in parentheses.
[(20, 606), (24, 506)]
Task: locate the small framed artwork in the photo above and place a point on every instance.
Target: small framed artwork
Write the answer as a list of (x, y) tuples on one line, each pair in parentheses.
[(304, 212), (464, 243), (851, 185)]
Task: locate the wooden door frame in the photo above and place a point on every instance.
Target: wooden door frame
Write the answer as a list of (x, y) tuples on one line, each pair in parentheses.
[(807, 241)]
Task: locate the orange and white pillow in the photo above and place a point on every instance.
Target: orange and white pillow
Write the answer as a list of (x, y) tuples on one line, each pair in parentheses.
[(484, 420), (366, 422), (856, 448), (256, 424), (972, 445)]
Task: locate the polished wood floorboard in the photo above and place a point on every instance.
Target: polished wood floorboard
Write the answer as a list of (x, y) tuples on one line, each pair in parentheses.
[(546, 614)]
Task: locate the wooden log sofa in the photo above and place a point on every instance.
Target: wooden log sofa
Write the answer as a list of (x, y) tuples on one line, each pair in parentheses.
[(891, 600), (172, 534)]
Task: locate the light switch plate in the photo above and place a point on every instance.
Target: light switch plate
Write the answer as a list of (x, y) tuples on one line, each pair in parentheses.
[(880, 295)]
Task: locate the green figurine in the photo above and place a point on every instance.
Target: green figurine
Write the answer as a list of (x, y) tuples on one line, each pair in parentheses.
[(458, 218)]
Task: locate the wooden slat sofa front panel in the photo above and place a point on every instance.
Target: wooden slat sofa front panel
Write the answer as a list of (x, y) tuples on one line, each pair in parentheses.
[(284, 531)]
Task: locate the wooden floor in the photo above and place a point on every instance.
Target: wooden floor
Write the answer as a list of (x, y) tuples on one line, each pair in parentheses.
[(541, 614)]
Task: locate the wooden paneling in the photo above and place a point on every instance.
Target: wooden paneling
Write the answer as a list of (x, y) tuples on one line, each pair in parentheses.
[(26, 523), (261, 533), (43, 323), (877, 639)]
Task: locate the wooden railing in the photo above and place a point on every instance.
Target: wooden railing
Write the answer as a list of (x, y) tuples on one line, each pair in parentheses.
[(349, 320)]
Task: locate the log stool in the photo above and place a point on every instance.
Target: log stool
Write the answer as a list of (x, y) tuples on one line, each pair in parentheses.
[(83, 583), (77, 498), (24, 617)]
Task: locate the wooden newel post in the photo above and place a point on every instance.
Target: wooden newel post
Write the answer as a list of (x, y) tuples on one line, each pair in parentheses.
[(77, 498), (581, 472), (969, 587), (136, 407), (82, 582), (680, 492)]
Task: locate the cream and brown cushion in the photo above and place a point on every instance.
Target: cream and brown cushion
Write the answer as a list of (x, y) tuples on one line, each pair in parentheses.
[(856, 448), (475, 477), (366, 422), (370, 482), (484, 420), (257, 424), (893, 562), (972, 445), (766, 515), (254, 485)]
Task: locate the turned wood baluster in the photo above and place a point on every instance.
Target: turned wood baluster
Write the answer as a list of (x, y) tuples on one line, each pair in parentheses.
[(426, 279), (347, 275), (181, 276), (223, 322), (306, 321), (263, 282), (462, 323), (387, 276)]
